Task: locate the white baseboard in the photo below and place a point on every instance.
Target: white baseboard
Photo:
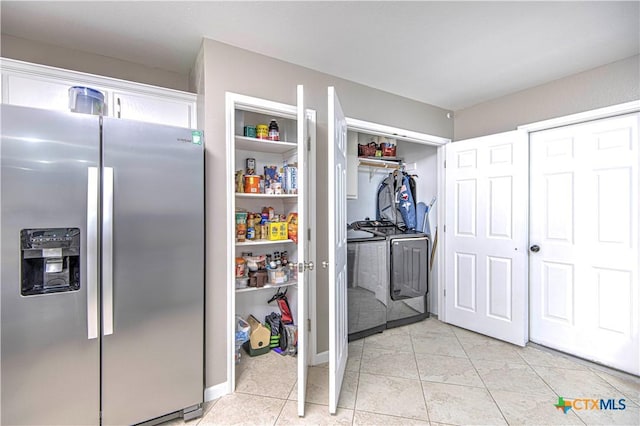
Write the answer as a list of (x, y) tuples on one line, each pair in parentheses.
[(215, 392), (320, 358)]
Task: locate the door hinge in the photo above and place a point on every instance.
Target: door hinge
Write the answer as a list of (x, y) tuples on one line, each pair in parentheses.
[(309, 234), (308, 143), (309, 325), (445, 292), (444, 228), (445, 164)]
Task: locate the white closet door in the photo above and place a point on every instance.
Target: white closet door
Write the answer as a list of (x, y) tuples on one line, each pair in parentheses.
[(584, 222), (486, 236), (337, 188)]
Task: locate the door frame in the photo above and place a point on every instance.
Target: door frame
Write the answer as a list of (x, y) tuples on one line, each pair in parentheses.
[(259, 105), (596, 114), (356, 125)]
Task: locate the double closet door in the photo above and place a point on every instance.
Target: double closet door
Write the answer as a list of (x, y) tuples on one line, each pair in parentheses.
[(550, 255)]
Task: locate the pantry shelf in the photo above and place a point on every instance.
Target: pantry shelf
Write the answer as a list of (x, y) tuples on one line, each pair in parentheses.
[(279, 196), (266, 286), (263, 243), (262, 145)]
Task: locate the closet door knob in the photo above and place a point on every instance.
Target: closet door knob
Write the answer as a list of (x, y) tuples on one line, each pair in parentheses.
[(535, 248)]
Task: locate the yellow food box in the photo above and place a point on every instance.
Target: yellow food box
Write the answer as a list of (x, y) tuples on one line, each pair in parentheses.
[(277, 231)]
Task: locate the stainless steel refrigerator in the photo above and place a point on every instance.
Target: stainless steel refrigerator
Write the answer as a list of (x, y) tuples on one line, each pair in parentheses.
[(102, 269)]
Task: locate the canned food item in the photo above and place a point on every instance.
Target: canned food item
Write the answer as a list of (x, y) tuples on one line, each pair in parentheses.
[(250, 131), (251, 166), (252, 184), (277, 187), (251, 233), (262, 131)]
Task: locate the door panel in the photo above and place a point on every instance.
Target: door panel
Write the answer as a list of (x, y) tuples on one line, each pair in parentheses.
[(337, 187), (153, 360), (584, 217), (485, 256), (303, 252), (46, 352)]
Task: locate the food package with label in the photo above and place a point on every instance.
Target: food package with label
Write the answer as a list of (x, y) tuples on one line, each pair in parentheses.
[(271, 176), (292, 226), (277, 231), (239, 181), (252, 184), (290, 180), (241, 226)]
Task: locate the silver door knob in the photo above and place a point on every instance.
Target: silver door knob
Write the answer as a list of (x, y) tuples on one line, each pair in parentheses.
[(305, 266), (325, 264), (535, 248)]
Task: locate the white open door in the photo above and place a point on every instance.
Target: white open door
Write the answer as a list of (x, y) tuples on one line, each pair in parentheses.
[(337, 196), (303, 251), (486, 236), (585, 293)]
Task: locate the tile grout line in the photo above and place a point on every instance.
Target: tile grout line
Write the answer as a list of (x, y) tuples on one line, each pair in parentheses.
[(415, 360), (533, 367), (355, 399), (486, 388)]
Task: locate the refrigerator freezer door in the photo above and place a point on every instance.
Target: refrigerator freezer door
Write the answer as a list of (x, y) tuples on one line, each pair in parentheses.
[(153, 357), (50, 366)]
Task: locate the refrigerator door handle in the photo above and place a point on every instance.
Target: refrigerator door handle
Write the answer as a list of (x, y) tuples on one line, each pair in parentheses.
[(107, 251), (92, 253)]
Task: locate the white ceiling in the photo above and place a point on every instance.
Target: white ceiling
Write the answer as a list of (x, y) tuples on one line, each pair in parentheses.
[(450, 54)]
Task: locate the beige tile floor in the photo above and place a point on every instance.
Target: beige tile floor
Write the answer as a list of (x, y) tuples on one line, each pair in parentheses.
[(429, 373)]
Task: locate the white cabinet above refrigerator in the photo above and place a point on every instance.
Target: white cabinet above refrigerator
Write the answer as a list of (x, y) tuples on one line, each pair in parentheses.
[(41, 86)]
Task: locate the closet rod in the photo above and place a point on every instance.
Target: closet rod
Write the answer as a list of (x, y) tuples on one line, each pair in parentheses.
[(381, 165)]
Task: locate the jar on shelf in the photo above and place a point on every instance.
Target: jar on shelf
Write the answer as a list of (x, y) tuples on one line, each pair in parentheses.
[(274, 131), (262, 131)]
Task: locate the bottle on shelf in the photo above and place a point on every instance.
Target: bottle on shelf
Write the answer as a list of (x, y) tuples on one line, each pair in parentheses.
[(274, 131)]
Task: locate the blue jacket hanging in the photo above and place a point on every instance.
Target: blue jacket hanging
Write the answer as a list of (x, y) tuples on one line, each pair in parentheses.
[(406, 204)]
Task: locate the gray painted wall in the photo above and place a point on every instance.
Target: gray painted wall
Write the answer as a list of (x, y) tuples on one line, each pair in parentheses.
[(227, 68), (221, 68), (54, 56), (607, 85)]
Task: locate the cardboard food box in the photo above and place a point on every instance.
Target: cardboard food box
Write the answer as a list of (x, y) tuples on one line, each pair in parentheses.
[(277, 231), (259, 337)]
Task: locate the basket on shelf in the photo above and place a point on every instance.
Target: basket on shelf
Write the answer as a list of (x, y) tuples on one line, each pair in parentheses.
[(368, 150), (388, 150)]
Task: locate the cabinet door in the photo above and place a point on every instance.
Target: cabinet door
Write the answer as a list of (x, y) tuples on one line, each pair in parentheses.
[(35, 92), (152, 109)]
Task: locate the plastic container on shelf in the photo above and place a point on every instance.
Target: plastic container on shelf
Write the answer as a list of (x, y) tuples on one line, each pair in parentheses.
[(86, 100), (278, 275)]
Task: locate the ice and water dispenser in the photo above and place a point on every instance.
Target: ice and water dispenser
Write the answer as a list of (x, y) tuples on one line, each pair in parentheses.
[(50, 260)]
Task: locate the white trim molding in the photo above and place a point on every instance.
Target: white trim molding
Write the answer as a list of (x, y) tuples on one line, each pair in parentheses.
[(216, 391), (596, 114), (394, 132)]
